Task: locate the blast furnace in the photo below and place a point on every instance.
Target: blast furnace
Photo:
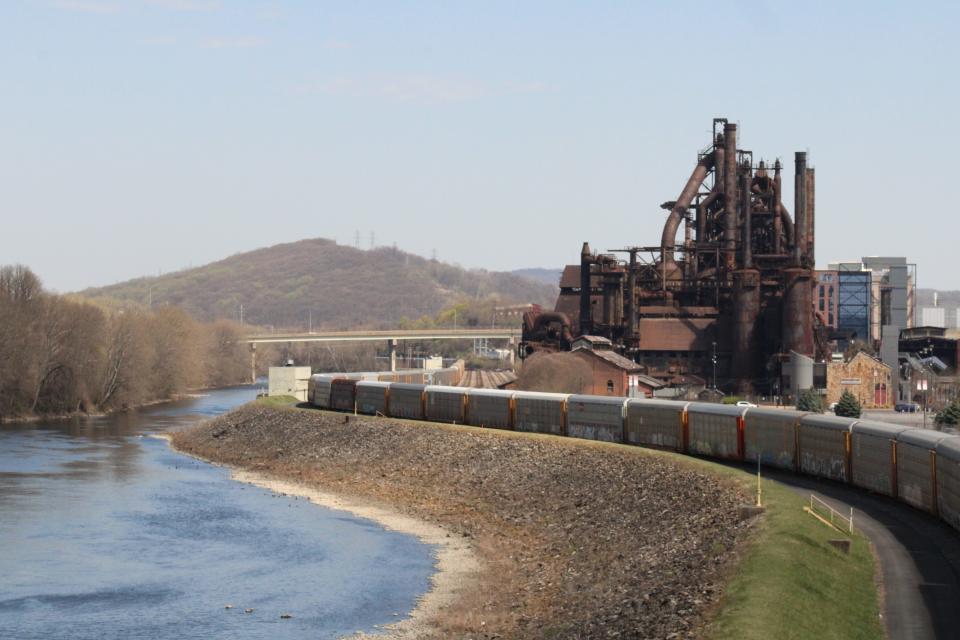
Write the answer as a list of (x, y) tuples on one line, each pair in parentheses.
[(730, 301)]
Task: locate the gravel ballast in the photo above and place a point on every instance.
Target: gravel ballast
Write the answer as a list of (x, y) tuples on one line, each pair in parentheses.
[(575, 539)]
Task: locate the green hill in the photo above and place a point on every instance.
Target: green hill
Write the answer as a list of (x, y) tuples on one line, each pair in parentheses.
[(334, 286)]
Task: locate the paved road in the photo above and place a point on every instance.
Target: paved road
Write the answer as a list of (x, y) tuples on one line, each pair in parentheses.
[(919, 559)]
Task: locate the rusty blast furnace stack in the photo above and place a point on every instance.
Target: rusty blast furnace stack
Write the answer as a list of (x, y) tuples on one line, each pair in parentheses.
[(736, 288)]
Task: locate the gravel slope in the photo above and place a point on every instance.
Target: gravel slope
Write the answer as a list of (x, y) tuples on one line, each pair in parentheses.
[(578, 540)]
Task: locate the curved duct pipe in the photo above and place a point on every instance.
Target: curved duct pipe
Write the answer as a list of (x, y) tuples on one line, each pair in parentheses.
[(787, 222), (555, 316), (669, 237)]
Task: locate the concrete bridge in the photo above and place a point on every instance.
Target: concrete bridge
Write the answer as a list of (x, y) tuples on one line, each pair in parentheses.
[(391, 336)]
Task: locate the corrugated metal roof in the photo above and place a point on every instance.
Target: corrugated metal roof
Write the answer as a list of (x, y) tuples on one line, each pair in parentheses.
[(613, 358)]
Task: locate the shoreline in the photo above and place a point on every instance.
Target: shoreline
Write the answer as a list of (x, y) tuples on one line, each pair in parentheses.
[(63, 417), (574, 538), (456, 564)]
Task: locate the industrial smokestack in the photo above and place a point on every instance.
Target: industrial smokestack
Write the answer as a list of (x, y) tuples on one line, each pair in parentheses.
[(731, 222), (586, 317), (811, 218), (801, 232), (747, 239)]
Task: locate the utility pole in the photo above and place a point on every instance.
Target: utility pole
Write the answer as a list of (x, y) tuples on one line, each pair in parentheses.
[(713, 359), (241, 313), (309, 320)]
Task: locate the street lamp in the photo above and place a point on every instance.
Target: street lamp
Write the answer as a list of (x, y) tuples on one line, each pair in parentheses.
[(924, 379)]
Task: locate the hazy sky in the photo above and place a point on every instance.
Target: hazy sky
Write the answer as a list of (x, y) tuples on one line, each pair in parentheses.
[(149, 135)]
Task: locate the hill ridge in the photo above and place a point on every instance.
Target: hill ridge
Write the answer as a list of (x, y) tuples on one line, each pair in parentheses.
[(317, 282)]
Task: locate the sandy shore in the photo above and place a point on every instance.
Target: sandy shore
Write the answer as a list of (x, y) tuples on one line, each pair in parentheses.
[(457, 565), (538, 537)]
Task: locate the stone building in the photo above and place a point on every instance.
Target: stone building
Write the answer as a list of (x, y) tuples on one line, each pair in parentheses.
[(867, 378)]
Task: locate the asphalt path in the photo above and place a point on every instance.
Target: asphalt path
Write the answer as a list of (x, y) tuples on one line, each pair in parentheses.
[(919, 558)]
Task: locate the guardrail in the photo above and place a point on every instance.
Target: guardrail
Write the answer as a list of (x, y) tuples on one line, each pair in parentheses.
[(830, 515)]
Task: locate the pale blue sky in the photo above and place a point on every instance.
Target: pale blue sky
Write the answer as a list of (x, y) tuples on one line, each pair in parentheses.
[(141, 136)]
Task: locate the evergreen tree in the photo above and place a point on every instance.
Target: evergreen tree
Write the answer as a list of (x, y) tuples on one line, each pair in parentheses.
[(809, 400), (848, 407), (950, 414)]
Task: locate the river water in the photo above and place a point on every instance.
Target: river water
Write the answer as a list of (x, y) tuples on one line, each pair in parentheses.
[(107, 533)]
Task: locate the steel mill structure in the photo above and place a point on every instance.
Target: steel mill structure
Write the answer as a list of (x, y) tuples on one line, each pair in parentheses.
[(729, 302)]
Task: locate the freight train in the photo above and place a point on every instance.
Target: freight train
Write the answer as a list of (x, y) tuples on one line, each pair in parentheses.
[(916, 466)]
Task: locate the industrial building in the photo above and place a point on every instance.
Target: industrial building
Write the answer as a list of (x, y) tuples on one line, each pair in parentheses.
[(728, 302)]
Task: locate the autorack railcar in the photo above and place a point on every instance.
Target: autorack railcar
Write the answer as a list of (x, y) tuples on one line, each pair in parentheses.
[(373, 397), (715, 430), (445, 404), (873, 456), (596, 417), (490, 408), (916, 467), (657, 423), (825, 446), (406, 400), (540, 412), (771, 435), (948, 480)]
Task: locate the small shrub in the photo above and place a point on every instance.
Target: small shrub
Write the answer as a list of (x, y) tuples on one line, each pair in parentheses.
[(809, 400), (848, 407), (950, 414), (731, 399)]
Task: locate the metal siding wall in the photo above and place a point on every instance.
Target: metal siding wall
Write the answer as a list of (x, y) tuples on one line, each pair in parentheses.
[(948, 490), (595, 421), (914, 479), (489, 411), (342, 397), (539, 415), (405, 403), (773, 439), (445, 406), (371, 400), (713, 435), (654, 425), (321, 394), (871, 462), (823, 452)]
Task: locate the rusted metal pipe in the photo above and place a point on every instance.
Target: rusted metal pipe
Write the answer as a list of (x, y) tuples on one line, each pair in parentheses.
[(747, 239), (669, 237), (632, 296)]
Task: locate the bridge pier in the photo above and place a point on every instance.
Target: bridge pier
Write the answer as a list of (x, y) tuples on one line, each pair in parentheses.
[(392, 350), (512, 346), (253, 363)]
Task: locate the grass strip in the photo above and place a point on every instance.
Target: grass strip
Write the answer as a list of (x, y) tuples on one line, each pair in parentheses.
[(791, 583)]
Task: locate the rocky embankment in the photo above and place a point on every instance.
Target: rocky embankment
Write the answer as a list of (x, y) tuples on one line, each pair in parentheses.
[(575, 539)]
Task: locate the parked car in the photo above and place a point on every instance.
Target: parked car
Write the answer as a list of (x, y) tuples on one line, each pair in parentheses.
[(745, 403), (832, 407), (906, 407)]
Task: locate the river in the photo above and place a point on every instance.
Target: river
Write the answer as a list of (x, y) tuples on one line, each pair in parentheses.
[(107, 533)]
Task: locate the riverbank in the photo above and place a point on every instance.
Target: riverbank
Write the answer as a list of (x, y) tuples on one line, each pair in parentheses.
[(72, 415), (573, 538)]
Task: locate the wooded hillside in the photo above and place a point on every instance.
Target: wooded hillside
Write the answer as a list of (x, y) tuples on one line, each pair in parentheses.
[(333, 286)]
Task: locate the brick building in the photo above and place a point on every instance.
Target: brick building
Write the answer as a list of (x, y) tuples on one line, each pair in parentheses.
[(612, 374)]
